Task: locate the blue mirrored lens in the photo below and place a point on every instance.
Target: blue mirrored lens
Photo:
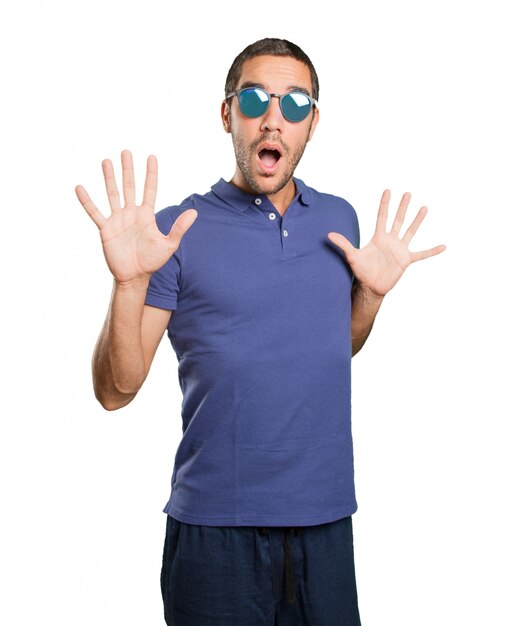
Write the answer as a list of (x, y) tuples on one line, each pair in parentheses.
[(295, 106), (253, 102)]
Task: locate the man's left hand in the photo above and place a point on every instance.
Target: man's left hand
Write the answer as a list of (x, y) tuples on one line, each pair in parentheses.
[(380, 264)]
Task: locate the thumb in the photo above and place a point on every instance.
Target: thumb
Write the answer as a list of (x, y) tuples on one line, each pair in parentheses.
[(181, 225), (342, 242)]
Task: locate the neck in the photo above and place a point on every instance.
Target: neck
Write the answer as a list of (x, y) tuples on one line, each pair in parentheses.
[(281, 199)]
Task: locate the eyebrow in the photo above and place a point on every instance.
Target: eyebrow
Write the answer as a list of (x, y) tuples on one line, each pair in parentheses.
[(248, 84)]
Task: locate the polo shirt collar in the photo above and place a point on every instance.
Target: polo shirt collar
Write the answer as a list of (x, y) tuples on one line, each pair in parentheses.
[(242, 200)]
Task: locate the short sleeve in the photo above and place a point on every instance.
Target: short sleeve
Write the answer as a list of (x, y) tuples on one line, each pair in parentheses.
[(164, 286), (356, 229)]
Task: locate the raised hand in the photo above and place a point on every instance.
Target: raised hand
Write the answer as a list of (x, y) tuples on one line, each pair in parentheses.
[(379, 265), (132, 243)]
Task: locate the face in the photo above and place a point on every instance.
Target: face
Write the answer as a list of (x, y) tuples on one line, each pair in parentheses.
[(268, 148)]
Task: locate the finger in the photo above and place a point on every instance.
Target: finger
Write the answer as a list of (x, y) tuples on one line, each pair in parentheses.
[(128, 178), (90, 207), (150, 186), (382, 216), (181, 225), (343, 243), (412, 229), (110, 185), (401, 212), (425, 254)]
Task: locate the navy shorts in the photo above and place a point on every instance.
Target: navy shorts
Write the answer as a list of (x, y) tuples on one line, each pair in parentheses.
[(252, 576)]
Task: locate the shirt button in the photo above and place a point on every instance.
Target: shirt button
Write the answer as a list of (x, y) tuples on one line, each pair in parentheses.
[(285, 233), (258, 201), (271, 216)]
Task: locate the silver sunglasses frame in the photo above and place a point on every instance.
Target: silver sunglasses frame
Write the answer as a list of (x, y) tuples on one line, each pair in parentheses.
[(313, 101)]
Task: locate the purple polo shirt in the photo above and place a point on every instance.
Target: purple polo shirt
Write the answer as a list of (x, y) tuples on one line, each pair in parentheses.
[(260, 324)]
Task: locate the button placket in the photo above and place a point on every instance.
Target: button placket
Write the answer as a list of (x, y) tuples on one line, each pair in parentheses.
[(286, 242), (278, 222), (269, 212)]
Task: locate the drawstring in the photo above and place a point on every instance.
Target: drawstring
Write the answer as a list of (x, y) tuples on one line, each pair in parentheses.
[(288, 568), (288, 563)]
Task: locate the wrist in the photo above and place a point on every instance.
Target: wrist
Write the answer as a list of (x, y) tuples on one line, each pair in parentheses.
[(139, 283), (366, 296)]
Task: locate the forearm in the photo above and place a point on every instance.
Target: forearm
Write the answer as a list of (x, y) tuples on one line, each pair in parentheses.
[(364, 307), (118, 364)]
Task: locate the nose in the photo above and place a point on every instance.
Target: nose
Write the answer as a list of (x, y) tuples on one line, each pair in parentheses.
[(273, 118)]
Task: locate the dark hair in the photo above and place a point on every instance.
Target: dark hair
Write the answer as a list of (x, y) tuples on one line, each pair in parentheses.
[(274, 47)]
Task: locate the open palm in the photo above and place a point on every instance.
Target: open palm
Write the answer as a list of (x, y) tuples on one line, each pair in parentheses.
[(381, 263), (132, 242)]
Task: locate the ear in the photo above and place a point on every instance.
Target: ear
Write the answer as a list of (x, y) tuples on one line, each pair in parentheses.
[(226, 116), (314, 123)]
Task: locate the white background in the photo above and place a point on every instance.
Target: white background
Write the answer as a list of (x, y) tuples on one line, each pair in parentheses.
[(429, 96)]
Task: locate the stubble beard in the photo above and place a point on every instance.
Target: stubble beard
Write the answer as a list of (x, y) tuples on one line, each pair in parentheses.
[(246, 154)]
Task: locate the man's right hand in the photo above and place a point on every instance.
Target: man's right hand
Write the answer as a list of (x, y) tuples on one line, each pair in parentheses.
[(133, 245)]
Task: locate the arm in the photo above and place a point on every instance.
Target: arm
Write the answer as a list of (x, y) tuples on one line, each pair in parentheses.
[(127, 344), (378, 266), (364, 307), (134, 249)]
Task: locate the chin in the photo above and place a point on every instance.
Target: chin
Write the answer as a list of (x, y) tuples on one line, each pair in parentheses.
[(269, 185)]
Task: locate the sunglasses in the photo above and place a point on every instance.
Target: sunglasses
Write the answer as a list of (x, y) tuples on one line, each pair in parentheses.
[(254, 102)]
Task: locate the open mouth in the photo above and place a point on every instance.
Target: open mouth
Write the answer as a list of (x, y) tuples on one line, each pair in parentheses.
[(268, 157)]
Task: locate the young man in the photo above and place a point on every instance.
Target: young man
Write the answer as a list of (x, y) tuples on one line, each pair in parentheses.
[(265, 301)]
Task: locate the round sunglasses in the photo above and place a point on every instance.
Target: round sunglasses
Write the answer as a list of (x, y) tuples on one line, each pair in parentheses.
[(254, 102)]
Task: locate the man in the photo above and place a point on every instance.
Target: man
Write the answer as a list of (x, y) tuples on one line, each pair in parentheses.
[(265, 301)]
